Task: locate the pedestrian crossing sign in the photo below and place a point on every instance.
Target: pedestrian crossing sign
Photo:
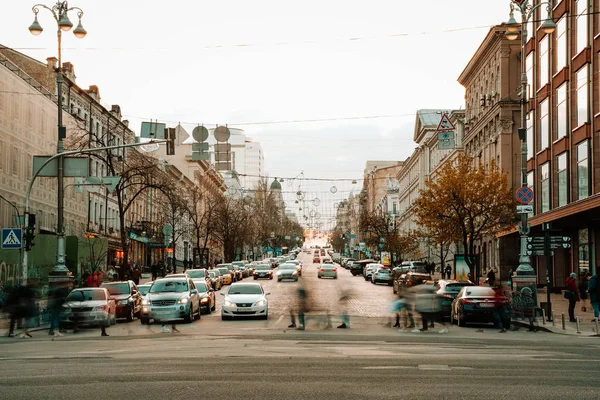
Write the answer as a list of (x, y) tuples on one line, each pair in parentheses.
[(12, 238)]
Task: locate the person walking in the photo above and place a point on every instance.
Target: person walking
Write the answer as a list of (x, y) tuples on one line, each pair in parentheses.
[(136, 274), (22, 306), (594, 292), (448, 271), (426, 304), (491, 276), (56, 298), (301, 308), (583, 294), (344, 299), (500, 309), (571, 294)]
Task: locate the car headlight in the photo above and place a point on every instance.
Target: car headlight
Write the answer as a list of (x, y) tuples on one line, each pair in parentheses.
[(123, 302), (278, 272), (229, 303), (100, 308), (204, 300), (183, 300), (260, 303), (145, 302)]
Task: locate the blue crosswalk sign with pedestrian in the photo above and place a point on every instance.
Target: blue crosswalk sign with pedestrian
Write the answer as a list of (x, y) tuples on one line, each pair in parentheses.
[(12, 238)]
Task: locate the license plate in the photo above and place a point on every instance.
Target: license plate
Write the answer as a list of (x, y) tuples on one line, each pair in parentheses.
[(486, 305), (244, 309), (160, 312)]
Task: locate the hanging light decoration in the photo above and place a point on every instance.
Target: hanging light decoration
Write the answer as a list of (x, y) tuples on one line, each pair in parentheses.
[(333, 189)]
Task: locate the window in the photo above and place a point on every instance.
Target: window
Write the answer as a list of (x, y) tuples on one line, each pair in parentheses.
[(582, 95), (544, 125), (582, 24), (583, 174), (562, 174), (530, 183), (544, 61), (1, 156), (561, 44), (15, 161), (545, 186), (530, 135), (562, 124), (529, 70)]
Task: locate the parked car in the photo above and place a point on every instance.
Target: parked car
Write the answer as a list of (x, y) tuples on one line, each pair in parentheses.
[(225, 274), (171, 299), (127, 298), (216, 280), (89, 306), (370, 269), (263, 271), (287, 271), (410, 279), (327, 271), (357, 267), (476, 304), (382, 275), (206, 294), (410, 266), (346, 261), (245, 299), (448, 289)]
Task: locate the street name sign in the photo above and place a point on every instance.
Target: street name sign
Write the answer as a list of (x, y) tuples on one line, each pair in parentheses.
[(539, 253), (12, 238), (524, 209)]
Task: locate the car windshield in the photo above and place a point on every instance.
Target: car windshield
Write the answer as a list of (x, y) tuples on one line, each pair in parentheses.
[(480, 291), (144, 289), (212, 274), (166, 285), (196, 273), (245, 289), (384, 271), (201, 286), (328, 267), (116, 288), (223, 271), (263, 268), (455, 287), (287, 266), (86, 295)]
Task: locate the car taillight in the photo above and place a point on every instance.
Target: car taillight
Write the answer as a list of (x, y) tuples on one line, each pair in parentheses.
[(334, 270), (322, 270), (447, 296), (409, 283)]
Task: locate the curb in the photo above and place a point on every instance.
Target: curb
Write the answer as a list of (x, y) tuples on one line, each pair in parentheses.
[(556, 331)]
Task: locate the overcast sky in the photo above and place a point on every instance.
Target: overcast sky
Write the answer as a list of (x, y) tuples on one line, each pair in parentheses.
[(254, 63)]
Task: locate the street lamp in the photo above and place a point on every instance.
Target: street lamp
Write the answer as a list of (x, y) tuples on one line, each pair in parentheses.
[(60, 12), (526, 9)]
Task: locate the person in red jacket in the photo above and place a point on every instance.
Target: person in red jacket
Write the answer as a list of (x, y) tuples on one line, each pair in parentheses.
[(571, 286)]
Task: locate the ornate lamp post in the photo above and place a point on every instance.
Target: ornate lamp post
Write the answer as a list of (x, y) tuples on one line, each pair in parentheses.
[(527, 10), (60, 13)]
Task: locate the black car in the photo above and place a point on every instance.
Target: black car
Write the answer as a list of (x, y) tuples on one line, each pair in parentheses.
[(127, 298), (207, 295), (358, 267), (448, 289), (410, 279)]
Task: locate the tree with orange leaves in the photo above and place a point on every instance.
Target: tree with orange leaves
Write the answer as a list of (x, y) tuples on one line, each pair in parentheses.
[(465, 202)]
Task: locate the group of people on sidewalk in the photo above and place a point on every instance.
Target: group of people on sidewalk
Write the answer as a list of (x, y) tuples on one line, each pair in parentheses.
[(587, 288), (303, 305)]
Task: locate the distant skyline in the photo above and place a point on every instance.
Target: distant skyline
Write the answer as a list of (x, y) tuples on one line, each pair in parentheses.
[(253, 64)]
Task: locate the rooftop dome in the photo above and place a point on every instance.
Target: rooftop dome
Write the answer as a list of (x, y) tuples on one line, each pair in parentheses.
[(275, 185)]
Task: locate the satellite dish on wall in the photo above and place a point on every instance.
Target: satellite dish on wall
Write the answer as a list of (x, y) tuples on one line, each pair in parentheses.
[(222, 133)]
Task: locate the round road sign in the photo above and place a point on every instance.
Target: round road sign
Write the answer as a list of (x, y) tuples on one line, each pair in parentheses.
[(200, 134), (524, 195), (222, 133)]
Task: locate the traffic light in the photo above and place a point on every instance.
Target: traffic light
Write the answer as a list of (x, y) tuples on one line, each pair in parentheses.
[(170, 133), (30, 232)]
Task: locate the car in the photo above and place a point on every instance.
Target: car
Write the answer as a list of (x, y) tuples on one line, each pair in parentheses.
[(216, 280), (410, 266), (206, 294), (144, 288), (171, 299), (245, 299), (241, 268), (346, 261), (274, 262), (263, 271), (287, 271), (225, 274), (198, 273), (327, 260), (230, 270), (298, 266), (357, 267), (447, 290), (369, 269), (476, 304), (237, 270), (127, 298), (89, 306), (382, 275), (178, 275), (327, 271), (410, 279)]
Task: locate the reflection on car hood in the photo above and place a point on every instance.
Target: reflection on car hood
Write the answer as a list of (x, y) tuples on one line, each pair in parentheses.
[(88, 303), (164, 295), (245, 298)]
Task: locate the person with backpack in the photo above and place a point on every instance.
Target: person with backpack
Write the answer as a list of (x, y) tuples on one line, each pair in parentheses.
[(571, 294), (594, 292)]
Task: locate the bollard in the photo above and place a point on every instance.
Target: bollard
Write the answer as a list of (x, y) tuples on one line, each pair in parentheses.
[(577, 323), (543, 317), (563, 321), (553, 319)]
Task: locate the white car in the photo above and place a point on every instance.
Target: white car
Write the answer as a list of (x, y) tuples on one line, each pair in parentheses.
[(245, 299)]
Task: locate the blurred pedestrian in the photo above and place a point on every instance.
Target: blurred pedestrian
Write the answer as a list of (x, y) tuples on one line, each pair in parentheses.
[(154, 271), (572, 294), (344, 299), (23, 307), (594, 292), (136, 274), (582, 288), (401, 308), (56, 298), (301, 308), (448, 271), (3, 296), (501, 311), (428, 304), (491, 277)]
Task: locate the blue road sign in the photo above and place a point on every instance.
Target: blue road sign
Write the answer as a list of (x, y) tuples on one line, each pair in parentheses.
[(12, 238), (524, 195)]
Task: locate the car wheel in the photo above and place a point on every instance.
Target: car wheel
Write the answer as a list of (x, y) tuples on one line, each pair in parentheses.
[(394, 289), (452, 320), (256, 278), (373, 282), (335, 277), (319, 276), (199, 316), (190, 317), (131, 315), (214, 306), (461, 320), (278, 280), (296, 280), (144, 321), (224, 318), (266, 316)]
